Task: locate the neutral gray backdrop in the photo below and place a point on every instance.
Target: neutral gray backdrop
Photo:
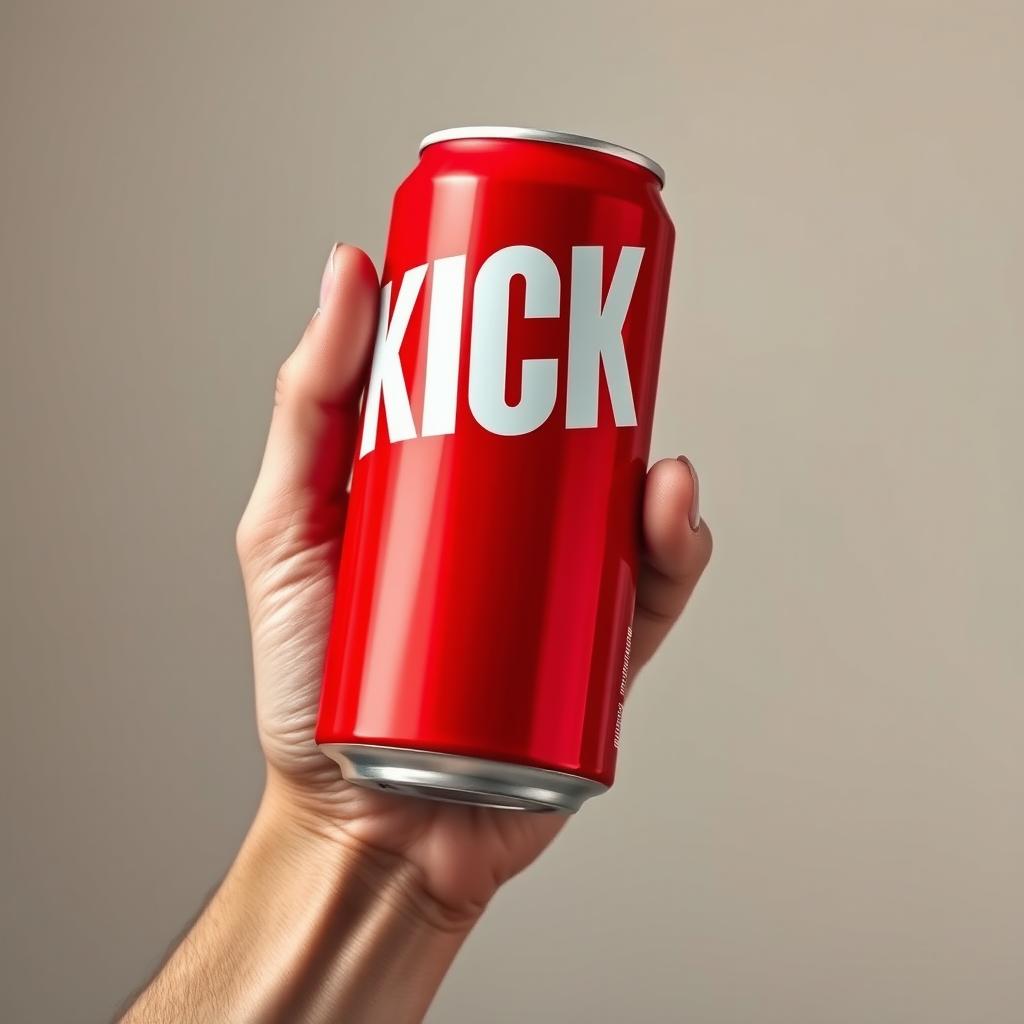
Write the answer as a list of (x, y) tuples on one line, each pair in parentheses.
[(820, 813)]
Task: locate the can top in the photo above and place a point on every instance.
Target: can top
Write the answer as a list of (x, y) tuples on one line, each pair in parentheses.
[(540, 135)]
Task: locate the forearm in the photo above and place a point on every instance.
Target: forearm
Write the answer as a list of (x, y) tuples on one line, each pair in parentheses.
[(305, 928)]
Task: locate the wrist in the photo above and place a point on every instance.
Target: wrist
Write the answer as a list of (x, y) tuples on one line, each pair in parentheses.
[(308, 842), (363, 934), (307, 926)]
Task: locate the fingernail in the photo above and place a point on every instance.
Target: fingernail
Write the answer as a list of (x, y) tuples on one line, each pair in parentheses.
[(328, 275), (695, 501)]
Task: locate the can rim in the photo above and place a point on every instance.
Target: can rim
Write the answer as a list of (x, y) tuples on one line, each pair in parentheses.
[(543, 135)]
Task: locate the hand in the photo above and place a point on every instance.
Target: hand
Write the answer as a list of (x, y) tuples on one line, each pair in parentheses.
[(346, 903), (288, 544)]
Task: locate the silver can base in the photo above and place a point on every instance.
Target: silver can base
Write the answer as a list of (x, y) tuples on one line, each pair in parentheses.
[(455, 778)]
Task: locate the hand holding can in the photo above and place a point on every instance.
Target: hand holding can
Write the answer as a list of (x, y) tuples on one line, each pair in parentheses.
[(344, 900)]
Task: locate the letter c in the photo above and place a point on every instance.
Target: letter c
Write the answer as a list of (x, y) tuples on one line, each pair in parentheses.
[(488, 363)]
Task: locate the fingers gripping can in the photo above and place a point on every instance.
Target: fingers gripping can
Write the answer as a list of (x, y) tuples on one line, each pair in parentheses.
[(481, 632)]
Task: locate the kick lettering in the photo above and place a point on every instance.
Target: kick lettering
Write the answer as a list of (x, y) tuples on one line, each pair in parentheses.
[(596, 319)]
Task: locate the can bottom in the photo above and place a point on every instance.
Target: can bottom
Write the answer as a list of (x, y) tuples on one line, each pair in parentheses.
[(455, 778)]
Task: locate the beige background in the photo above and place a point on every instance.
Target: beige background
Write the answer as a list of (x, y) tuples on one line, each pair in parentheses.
[(820, 818)]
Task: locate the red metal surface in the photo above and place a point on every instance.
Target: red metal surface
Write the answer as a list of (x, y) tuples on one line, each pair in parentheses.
[(487, 581)]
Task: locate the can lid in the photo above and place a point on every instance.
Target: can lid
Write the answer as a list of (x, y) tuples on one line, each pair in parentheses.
[(540, 135)]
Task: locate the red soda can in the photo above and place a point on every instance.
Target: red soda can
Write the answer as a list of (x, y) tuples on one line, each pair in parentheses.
[(480, 640)]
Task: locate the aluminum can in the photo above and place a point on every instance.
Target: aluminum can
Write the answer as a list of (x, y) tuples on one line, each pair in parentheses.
[(480, 641)]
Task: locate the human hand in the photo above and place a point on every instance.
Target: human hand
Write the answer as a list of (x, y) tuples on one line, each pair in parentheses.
[(454, 856), (343, 902)]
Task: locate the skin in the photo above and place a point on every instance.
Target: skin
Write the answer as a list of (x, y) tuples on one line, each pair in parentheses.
[(346, 903)]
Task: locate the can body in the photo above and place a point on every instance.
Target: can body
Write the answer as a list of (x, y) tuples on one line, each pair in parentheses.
[(480, 638)]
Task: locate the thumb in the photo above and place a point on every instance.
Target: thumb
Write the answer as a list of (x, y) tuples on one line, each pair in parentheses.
[(300, 492)]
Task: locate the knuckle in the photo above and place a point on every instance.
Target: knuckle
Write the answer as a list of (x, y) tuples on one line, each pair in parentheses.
[(249, 537), (282, 382)]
